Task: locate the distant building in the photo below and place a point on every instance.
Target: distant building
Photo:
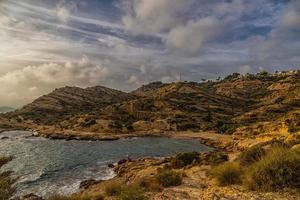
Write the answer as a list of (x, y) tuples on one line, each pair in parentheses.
[(287, 73)]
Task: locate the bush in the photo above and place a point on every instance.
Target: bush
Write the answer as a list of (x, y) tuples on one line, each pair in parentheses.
[(228, 173), (225, 128), (150, 184), (132, 193), (251, 155), (280, 168), (213, 158), (184, 159), (113, 189), (168, 178)]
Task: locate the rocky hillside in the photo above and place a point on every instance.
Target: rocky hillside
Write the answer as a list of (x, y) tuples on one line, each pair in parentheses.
[(237, 104), (225, 106), (65, 102)]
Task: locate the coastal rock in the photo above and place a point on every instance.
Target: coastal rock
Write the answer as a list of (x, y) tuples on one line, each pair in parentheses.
[(122, 161), (110, 165), (87, 183), (31, 196), (35, 133)]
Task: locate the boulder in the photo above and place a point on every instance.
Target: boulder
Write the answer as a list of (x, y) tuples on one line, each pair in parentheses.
[(87, 183), (122, 161), (31, 196), (110, 165)]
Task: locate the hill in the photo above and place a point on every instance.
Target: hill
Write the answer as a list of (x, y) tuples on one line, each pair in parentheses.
[(226, 106), (238, 104), (65, 102)]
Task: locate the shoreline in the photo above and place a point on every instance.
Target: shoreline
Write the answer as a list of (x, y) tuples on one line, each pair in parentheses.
[(211, 139), (133, 170), (220, 142)]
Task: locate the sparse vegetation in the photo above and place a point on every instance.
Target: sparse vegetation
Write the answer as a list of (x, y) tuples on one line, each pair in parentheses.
[(228, 173), (251, 155), (132, 192), (184, 159), (6, 182), (150, 184), (232, 76), (262, 74), (213, 158), (225, 128), (280, 168), (113, 189), (125, 192), (168, 178)]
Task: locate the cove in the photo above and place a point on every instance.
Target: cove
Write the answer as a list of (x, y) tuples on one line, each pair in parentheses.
[(46, 166)]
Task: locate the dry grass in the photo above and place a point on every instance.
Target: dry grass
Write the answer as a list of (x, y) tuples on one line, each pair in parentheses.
[(228, 173), (168, 178), (279, 169)]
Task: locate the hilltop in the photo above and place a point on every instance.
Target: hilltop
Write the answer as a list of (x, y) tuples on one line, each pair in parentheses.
[(238, 104), (65, 102)]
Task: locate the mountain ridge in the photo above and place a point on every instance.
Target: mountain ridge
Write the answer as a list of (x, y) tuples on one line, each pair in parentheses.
[(226, 106)]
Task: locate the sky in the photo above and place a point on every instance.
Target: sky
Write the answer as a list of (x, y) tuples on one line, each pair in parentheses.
[(122, 44)]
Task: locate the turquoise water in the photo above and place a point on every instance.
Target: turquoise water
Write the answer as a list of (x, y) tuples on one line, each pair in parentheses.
[(46, 166)]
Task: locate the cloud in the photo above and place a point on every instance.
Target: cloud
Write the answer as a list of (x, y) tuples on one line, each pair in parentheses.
[(189, 39), (36, 80), (133, 79), (155, 16), (143, 69), (291, 16), (171, 19), (139, 41), (64, 10), (281, 46), (245, 69)]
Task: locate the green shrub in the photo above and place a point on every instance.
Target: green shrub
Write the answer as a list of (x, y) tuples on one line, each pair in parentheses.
[(279, 169), (228, 173), (225, 128), (168, 178), (150, 184), (232, 76), (263, 74), (132, 193), (213, 158), (113, 189), (251, 155), (184, 159)]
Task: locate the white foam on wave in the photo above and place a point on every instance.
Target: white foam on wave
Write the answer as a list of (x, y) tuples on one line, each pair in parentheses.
[(65, 185)]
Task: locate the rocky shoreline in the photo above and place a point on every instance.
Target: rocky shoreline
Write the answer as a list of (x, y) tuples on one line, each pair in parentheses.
[(129, 171)]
